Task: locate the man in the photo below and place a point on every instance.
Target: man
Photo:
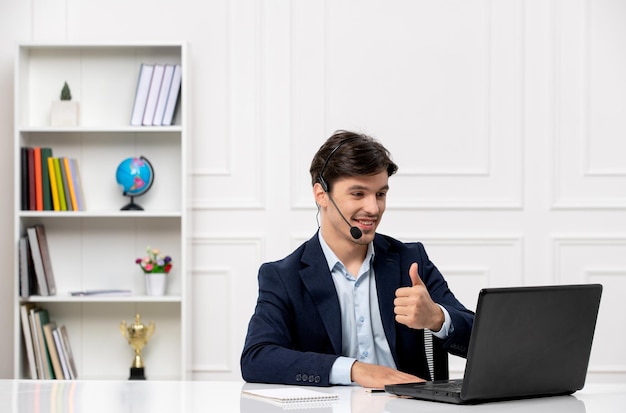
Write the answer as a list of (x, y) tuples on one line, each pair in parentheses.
[(350, 305)]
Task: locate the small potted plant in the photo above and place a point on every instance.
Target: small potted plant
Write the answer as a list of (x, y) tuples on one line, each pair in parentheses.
[(64, 112), (155, 267)]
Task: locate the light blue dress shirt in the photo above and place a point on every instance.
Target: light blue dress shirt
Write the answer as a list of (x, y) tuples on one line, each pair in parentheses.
[(362, 333)]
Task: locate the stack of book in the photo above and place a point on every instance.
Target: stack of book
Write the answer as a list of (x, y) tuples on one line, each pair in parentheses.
[(157, 94), (47, 345), (48, 183), (35, 264)]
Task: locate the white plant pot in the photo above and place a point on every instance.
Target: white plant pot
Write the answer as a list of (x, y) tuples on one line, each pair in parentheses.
[(155, 283), (64, 113)]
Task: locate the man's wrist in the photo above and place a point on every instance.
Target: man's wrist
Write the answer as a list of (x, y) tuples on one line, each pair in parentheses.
[(446, 328), (341, 371), (440, 319)]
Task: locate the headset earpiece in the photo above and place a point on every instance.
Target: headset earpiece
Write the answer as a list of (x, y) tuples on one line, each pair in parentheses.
[(321, 179), (322, 182)]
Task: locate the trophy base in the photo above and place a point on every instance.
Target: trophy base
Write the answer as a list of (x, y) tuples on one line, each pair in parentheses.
[(137, 373)]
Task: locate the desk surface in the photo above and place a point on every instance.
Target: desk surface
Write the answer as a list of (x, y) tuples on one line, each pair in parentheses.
[(26, 396)]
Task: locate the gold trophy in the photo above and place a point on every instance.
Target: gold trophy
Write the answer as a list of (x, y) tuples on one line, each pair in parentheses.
[(137, 335)]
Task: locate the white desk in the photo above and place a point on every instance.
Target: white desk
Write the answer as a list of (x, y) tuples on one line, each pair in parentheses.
[(27, 396)]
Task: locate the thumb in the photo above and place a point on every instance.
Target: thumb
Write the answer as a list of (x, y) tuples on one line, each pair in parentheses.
[(415, 278)]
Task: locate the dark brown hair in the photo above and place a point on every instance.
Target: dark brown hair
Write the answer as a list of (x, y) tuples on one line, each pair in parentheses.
[(349, 154)]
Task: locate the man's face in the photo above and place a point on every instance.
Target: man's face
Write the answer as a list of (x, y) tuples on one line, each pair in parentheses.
[(362, 200)]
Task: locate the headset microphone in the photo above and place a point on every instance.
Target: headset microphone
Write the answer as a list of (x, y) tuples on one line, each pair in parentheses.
[(354, 231)]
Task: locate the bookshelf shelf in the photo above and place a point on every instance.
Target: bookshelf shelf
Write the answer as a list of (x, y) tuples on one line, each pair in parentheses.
[(115, 129), (102, 215), (64, 297), (96, 248)]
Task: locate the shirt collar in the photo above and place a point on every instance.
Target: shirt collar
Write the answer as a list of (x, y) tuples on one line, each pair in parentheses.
[(331, 258)]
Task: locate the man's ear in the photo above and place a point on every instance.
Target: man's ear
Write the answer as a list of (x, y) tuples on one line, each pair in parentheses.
[(320, 195)]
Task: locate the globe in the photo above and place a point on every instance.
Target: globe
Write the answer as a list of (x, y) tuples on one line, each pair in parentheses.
[(135, 176)]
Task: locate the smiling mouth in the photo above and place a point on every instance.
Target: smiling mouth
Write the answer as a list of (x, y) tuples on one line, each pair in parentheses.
[(367, 223)]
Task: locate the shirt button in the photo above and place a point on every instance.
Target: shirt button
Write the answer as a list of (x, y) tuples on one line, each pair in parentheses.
[(361, 319)]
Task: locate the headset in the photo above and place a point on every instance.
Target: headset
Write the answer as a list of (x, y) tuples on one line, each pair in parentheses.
[(355, 232)]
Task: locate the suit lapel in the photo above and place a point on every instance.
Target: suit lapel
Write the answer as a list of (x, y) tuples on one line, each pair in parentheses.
[(318, 282), (388, 278)]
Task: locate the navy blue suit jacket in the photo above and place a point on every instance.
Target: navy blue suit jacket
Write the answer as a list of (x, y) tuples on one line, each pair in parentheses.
[(294, 335)]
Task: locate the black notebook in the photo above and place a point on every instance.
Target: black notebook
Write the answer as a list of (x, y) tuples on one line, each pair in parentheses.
[(526, 342)]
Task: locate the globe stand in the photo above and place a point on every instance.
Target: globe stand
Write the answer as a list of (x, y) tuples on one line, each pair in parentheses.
[(131, 206)]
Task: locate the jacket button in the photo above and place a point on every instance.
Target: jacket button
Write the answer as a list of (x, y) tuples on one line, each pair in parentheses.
[(317, 379), (305, 377), (311, 378), (298, 377)]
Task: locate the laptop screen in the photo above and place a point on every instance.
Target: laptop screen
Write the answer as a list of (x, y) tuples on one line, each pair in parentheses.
[(530, 341), (526, 342)]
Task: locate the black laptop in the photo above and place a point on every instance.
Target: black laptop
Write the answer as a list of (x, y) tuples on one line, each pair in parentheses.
[(526, 342)]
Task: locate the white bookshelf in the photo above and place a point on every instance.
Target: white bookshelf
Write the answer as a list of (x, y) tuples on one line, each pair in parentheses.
[(97, 248)]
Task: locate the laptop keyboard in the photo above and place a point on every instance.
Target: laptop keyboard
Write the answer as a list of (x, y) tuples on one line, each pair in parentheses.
[(447, 385)]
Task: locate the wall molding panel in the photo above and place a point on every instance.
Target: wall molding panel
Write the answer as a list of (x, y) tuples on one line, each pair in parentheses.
[(242, 140), (589, 173), (597, 259), (485, 169), (217, 267)]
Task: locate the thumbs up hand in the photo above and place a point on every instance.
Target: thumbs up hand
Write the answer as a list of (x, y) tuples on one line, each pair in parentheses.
[(413, 306)]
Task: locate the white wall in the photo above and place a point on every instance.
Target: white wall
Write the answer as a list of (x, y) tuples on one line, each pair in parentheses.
[(506, 118)]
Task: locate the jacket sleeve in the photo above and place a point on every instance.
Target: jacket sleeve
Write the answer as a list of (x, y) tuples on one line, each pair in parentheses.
[(286, 341)]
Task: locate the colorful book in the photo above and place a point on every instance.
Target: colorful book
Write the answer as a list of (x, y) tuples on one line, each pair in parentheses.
[(46, 153), (38, 182), (52, 350), (32, 197), (78, 185), (66, 184), (60, 189), (54, 191), (24, 178), (43, 318), (70, 183)]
